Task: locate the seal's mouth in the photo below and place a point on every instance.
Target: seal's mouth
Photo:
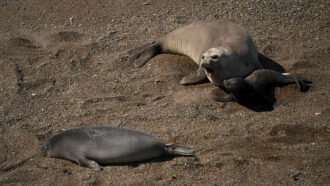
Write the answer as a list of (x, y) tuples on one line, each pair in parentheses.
[(209, 70)]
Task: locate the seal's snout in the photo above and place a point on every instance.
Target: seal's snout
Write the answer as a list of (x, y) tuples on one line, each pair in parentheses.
[(44, 150), (204, 64), (234, 83), (229, 82)]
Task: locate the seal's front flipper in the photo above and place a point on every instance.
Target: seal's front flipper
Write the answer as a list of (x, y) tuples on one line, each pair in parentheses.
[(89, 163), (143, 56), (276, 105), (194, 78), (230, 98)]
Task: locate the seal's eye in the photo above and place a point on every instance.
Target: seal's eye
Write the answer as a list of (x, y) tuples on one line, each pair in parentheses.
[(215, 57), (203, 57)]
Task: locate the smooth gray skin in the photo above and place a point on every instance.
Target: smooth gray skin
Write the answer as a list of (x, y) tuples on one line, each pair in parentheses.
[(89, 146), (227, 49)]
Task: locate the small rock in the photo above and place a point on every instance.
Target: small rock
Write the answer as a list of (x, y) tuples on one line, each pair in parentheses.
[(66, 25), (219, 165)]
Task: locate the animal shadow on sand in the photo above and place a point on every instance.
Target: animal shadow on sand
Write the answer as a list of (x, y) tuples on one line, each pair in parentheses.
[(137, 163)]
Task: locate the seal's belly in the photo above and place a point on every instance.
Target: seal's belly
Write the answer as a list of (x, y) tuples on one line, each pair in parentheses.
[(122, 149)]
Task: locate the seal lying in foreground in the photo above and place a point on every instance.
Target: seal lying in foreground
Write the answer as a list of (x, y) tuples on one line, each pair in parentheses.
[(222, 50), (90, 146), (258, 88)]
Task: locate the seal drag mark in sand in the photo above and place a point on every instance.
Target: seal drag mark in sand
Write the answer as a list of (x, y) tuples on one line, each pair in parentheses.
[(90, 146), (257, 90), (222, 50)]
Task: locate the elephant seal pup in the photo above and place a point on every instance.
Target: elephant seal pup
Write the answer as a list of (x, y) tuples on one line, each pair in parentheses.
[(89, 146), (257, 90), (223, 50)]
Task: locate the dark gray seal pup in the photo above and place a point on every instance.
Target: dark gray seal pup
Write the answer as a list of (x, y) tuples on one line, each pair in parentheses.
[(223, 50), (89, 146), (257, 90)]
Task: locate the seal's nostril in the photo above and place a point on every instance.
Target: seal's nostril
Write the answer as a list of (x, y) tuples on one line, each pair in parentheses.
[(206, 64)]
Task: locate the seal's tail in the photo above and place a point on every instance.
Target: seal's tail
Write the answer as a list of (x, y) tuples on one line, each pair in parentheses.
[(178, 150)]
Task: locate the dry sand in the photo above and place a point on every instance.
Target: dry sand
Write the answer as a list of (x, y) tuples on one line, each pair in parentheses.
[(63, 64)]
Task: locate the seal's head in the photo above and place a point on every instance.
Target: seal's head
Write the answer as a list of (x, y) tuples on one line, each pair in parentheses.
[(235, 85), (243, 92), (213, 61)]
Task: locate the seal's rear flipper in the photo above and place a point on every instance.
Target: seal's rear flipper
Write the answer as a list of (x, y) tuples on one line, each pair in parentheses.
[(178, 150), (143, 56), (135, 50), (306, 84), (303, 85)]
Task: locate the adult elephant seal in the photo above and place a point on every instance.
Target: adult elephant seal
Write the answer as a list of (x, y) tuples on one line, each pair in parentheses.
[(257, 90), (222, 50), (90, 146)]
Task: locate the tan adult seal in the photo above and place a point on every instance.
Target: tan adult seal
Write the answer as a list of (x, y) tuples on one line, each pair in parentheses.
[(223, 50)]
